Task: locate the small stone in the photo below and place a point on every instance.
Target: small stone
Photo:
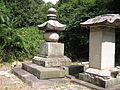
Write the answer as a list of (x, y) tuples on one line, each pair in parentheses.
[(16, 64)]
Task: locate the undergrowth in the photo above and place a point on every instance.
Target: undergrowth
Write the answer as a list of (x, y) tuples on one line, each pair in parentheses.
[(19, 44)]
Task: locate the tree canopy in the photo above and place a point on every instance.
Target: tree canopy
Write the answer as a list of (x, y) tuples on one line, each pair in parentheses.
[(15, 15), (72, 13)]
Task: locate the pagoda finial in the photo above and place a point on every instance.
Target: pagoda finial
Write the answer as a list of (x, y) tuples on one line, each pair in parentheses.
[(52, 11), (52, 14)]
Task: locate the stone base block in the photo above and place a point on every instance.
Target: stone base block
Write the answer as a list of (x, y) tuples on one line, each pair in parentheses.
[(52, 49), (75, 69), (43, 72), (100, 79), (51, 62)]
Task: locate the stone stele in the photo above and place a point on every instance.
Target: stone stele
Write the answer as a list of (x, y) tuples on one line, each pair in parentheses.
[(102, 71)]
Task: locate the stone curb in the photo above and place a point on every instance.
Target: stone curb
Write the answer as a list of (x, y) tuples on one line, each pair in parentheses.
[(89, 85), (86, 84)]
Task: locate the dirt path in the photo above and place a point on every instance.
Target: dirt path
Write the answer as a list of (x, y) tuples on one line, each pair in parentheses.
[(9, 81)]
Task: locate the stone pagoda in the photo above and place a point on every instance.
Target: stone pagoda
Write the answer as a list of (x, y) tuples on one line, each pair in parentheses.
[(102, 70), (52, 52), (51, 61)]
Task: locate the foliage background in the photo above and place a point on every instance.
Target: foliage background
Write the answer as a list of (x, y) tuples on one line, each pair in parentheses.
[(20, 38), (72, 13)]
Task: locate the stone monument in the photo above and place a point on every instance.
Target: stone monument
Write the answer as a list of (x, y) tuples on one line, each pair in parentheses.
[(48, 64), (52, 52), (102, 70)]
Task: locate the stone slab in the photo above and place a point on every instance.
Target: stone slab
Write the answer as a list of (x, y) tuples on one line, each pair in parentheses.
[(110, 72), (116, 87), (37, 84), (97, 72), (43, 72), (52, 49), (51, 62), (30, 79), (89, 85), (99, 81)]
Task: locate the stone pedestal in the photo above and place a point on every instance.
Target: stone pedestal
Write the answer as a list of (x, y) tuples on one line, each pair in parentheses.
[(48, 64), (51, 62), (103, 78), (52, 49), (52, 55)]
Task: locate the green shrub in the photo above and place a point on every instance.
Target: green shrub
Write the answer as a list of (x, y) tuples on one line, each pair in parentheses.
[(18, 44), (32, 38)]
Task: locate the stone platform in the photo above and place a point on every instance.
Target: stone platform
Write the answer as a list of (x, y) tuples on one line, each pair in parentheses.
[(102, 78), (51, 62), (36, 83), (43, 72), (43, 77)]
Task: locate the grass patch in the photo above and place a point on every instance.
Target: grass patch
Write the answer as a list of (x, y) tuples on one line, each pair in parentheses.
[(5, 65)]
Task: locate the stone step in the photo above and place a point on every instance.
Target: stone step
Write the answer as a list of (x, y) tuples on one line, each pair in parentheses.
[(43, 72), (30, 79)]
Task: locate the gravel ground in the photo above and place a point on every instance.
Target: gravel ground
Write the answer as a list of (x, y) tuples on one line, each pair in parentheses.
[(9, 81), (70, 87)]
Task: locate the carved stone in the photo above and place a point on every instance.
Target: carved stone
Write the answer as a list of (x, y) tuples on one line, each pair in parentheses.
[(51, 36)]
